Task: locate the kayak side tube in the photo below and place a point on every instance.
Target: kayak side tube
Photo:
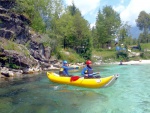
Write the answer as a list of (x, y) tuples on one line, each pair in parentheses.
[(112, 81)]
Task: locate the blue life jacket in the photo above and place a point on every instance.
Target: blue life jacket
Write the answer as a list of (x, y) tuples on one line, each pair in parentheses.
[(64, 70), (87, 70)]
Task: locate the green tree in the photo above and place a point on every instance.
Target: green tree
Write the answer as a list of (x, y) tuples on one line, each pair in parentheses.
[(42, 13), (73, 9), (124, 33), (144, 38), (100, 39), (143, 22), (31, 9), (94, 38), (65, 27), (107, 23), (53, 13), (75, 30)]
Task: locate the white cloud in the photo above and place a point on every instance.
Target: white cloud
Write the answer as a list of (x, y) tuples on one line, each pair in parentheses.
[(122, 1), (92, 25), (89, 9), (130, 14), (85, 6), (119, 8)]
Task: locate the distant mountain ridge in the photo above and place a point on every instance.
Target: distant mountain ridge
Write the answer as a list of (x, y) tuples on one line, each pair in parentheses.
[(135, 32)]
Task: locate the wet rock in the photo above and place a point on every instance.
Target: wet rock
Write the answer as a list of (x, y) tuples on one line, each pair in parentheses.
[(5, 74)]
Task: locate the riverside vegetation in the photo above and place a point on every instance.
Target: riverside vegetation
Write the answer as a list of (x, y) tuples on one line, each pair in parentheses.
[(38, 35)]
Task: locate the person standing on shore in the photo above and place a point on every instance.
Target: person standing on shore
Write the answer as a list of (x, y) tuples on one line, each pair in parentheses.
[(121, 63)]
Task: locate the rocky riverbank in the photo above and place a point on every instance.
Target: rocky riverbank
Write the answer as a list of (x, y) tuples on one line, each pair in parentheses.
[(8, 72), (22, 50)]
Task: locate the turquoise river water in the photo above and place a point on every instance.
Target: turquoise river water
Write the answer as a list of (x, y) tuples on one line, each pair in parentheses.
[(36, 94)]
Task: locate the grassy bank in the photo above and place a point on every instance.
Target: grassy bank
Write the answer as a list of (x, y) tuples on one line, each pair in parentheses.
[(105, 55)]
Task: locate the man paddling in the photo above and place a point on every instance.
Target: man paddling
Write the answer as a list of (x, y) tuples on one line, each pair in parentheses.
[(87, 71), (64, 69)]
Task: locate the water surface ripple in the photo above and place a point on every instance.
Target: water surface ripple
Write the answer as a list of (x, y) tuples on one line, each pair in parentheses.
[(36, 94)]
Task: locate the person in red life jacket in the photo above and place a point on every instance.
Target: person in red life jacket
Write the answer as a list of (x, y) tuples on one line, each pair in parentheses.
[(64, 69), (87, 71)]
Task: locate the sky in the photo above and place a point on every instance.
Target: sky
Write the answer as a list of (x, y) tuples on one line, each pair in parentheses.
[(129, 10)]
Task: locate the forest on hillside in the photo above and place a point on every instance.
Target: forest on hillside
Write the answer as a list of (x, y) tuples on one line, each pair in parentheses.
[(67, 28)]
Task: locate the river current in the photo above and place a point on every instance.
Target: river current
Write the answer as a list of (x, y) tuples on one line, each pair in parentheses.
[(36, 94)]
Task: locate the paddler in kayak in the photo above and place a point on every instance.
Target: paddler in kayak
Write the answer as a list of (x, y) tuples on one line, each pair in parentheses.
[(64, 69), (87, 71)]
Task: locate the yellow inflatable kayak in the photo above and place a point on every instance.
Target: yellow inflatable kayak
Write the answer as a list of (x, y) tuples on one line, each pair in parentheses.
[(83, 82)]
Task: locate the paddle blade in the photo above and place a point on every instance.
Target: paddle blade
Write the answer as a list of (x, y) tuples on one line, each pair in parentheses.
[(74, 78)]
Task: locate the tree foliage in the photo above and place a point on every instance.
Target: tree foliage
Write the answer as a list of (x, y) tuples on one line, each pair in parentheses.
[(67, 28), (31, 9), (143, 22), (107, 23), (42, 13), (124, 35), (74, 31)]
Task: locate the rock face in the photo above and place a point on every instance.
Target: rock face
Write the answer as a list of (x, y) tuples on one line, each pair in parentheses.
[(15, 27), (8, 4)]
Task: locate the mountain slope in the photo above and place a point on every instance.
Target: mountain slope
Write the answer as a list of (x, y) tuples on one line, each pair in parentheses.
[(135, 32)]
